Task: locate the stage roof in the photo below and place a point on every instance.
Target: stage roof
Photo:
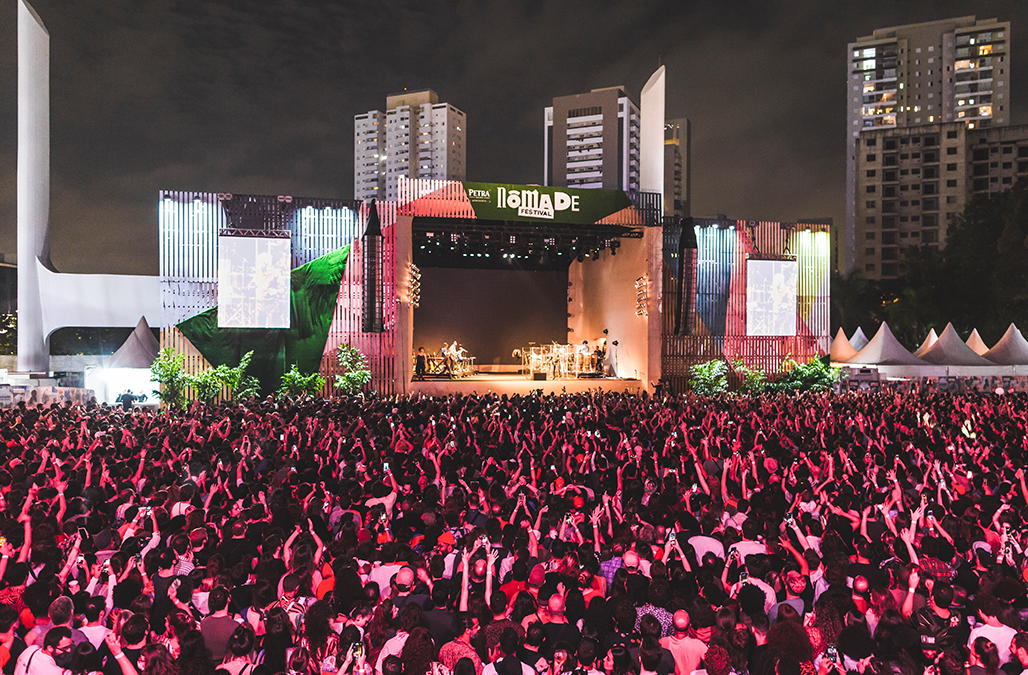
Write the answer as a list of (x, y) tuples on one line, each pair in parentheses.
[(523, 227)]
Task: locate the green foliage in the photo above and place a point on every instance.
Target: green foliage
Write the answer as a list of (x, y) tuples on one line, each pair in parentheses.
[(980, 279), (206, 386), (816, 375), (168, 370), (295, 383), (709, 379), (242, 386), (356, 371), (8, 334), (751, 380)]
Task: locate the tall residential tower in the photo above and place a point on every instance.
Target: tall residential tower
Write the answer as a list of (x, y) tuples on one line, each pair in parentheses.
[(912, 79), (417, 137), (592, 141)]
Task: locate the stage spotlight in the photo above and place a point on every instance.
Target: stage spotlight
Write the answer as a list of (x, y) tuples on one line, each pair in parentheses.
[(615, 343)]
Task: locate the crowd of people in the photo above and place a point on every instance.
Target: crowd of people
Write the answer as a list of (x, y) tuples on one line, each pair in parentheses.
[(591, 534)]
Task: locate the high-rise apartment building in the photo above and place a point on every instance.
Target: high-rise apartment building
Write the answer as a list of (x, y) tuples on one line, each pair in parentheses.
[(416, 137), (903, 78), (912, 182), (677, 168), (592, 141)]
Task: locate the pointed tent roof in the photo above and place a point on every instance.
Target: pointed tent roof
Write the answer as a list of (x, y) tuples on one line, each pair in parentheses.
[(1011, 350), (976, 343), (929, 340), (885, 350), (950, 350), (138, 351), (858, 339), (841, 349)]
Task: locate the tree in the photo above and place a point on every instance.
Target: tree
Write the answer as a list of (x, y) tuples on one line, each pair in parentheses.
[(815, 375), (356, 373), (241, 385), (295, 383), (206, 386), (709, 379), (751, 380), (8, 334), (855, 302), (168, 370), (979, 280)]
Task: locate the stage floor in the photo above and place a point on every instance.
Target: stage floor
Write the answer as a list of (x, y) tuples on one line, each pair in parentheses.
[(511, 383)]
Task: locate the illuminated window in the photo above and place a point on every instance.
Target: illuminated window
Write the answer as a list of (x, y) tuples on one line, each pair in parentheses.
[(984, 49), (869, 64)]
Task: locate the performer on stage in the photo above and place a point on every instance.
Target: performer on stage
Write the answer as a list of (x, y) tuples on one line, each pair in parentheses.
[(445, 353), (421, 364)]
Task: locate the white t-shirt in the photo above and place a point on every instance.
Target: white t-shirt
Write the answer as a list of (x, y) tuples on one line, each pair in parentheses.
[(490, 669), (382, 576), (703, 545), (997, 635), (39, 661), (747, 548)]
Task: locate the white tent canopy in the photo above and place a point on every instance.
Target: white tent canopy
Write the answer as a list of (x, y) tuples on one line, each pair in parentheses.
[(858, 339), (950, 350), (976, 343), (928, 342), (1011, 350), (138, 351), (885, 350), (841, 349)]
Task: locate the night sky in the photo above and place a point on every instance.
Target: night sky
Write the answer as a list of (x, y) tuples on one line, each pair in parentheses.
[(259, 96)]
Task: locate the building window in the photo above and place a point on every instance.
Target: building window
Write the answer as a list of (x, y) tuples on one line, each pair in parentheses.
[(870, 189), (870, 173), (869, 204), (869, 251), (951, 134), (869, 236), (869, 267), (951, 183), (870, 220), (871, 157)]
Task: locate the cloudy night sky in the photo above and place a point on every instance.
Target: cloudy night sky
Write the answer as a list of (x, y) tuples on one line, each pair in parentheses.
[(259, 97)]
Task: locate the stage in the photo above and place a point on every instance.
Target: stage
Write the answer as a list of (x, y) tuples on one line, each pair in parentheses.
[(511, 383)]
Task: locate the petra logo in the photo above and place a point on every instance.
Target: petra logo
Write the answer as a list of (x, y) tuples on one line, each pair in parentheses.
[(478, 194)]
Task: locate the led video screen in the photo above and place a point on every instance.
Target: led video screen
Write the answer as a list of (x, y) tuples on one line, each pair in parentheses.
[(253, 282), (771, 297)]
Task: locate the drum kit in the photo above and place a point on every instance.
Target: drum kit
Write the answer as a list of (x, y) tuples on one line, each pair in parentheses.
[(561, 362)]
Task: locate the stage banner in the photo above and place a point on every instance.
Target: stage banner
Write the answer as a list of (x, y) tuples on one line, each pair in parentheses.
[(313, 295), (492, 201)]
